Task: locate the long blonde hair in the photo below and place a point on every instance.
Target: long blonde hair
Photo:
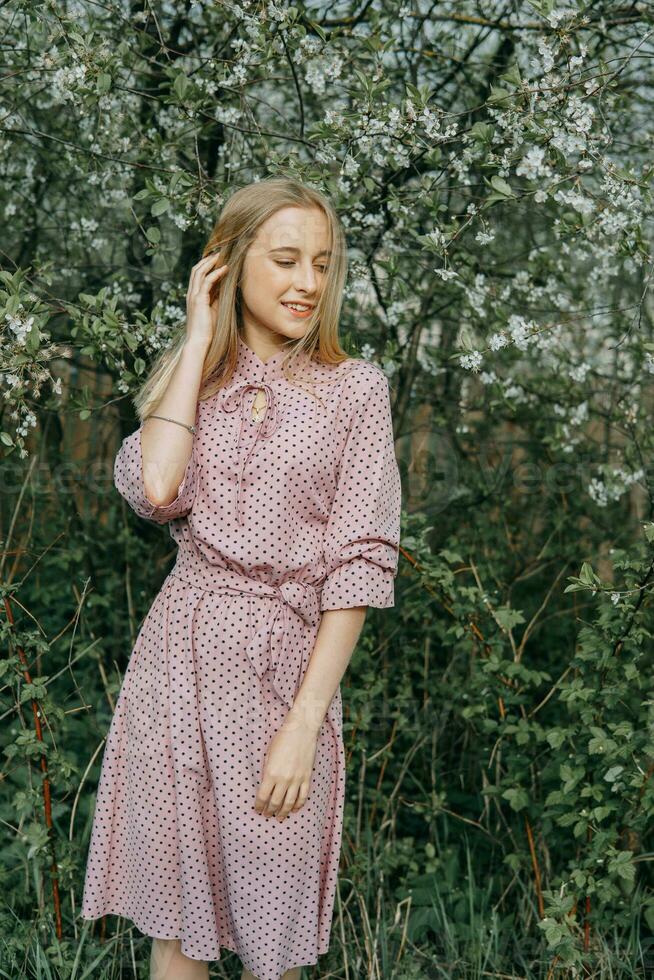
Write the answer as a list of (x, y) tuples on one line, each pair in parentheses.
[(234, 231)]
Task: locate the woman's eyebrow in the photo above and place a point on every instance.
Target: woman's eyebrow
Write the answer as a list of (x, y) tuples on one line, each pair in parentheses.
[(292, 248)]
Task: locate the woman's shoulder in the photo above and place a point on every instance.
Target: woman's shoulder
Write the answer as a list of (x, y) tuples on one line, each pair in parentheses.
[(365, 379), (355, 384), (356, 370)]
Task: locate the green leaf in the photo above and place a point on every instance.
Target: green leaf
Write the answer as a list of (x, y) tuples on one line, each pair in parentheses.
[(518, 798), (180, 86), (556, 738), (555, 932), (318, 29), (601, 744), (512, 76), (499, 95), (160, 206), (33, 339), (153, 234), (104, 83), (508, 618), (366, 83), (623, 865), (482, 131), (451, 557), (501, 186)]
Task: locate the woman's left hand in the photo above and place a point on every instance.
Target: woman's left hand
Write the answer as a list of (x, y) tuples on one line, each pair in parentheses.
[(287, 771)]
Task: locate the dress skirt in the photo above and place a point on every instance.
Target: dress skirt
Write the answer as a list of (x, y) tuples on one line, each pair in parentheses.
[(176, 844)]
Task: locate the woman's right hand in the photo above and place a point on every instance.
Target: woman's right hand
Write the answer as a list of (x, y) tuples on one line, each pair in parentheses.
[(201, 314)]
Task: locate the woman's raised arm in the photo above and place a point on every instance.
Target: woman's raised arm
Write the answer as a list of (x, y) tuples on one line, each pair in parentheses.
[(166, 448)]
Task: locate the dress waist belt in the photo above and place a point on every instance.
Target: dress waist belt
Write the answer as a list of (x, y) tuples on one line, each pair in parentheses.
[(284, 640)]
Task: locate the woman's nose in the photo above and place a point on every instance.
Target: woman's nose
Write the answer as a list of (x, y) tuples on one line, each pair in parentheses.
[(305, 278)]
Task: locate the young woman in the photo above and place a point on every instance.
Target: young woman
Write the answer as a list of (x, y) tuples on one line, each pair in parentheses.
[(270, 454)]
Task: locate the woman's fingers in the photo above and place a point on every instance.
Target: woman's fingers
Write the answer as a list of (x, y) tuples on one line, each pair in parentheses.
[(211, 257), (207, 261), (285, 798), (275, 801), (262, 798), (212, 276), (209, 282), (199, 269), (203, 276), (270, 796), (302, 796), (289, 800)]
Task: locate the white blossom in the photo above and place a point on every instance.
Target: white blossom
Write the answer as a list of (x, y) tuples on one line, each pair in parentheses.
[(471, 361), (497, 341), (579, 371), (484, 237), (21, 327), (533, 164)]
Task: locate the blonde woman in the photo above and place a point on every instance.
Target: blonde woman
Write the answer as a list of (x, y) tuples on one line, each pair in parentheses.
[(269, 453)]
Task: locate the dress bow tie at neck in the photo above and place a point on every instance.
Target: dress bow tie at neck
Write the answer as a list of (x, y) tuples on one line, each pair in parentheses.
[(232, 399)]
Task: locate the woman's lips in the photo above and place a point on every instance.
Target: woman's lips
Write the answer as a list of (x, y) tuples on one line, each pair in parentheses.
[(299, 313)]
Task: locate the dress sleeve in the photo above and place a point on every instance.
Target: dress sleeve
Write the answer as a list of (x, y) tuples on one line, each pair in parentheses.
[(128, 480), (363, 531)]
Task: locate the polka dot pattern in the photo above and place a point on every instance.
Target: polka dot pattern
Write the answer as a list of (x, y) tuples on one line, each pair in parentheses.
[(275, 522)]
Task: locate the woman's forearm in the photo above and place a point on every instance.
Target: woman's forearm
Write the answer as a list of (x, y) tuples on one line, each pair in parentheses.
[(335, 643), (166, 447)]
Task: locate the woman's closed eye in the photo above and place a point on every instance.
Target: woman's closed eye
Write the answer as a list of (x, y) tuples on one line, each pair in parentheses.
[(287, 262)]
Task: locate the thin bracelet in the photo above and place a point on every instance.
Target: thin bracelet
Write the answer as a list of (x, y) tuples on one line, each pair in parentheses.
[(191, 428)]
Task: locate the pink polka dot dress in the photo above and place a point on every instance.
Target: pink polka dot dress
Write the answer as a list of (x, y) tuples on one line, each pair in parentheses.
[(275, 521)]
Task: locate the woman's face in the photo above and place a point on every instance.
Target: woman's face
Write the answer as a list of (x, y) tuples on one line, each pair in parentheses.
[(285, 264)]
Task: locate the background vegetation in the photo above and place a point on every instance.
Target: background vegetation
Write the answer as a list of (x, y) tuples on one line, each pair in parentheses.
[(492, 163)]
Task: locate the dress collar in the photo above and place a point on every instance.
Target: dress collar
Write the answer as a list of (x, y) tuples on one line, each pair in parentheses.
[(251, 373), (249, 365)]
